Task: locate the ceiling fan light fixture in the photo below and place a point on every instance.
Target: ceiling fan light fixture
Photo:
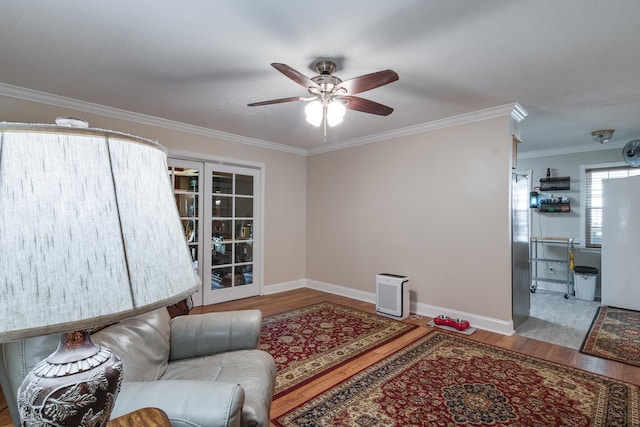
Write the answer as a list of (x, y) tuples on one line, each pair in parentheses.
[(314, 112), (331, 96), (602, 136), (335, 113)]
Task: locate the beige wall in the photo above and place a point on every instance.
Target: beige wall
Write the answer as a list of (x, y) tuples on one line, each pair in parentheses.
[(434, 206), (285, 179)]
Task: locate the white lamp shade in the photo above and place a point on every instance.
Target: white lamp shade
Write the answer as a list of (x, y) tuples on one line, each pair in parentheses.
[(335, 113), (89, 230), (314, 111)]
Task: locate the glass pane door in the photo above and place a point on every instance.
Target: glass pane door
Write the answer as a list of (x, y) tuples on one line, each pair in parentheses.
[(185, 180), (232, 201), (219, 207)]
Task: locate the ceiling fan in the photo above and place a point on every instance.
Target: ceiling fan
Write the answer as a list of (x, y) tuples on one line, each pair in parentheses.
[(329, 95)]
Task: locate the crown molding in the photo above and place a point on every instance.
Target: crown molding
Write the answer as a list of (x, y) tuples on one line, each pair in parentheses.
[(514, 110), (561, 151), (116, 113)]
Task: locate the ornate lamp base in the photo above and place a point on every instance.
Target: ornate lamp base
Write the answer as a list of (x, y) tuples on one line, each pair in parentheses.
[(76, 385)]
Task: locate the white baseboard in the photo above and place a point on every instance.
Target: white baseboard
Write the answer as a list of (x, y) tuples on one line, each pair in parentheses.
[(481, 322), (369, 297), (283, 287)]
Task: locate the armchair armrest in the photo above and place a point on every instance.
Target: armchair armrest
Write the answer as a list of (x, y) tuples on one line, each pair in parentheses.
[(211, 333), (186, 403)]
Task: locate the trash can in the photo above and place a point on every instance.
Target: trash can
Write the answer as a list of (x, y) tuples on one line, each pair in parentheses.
[(584, 280)]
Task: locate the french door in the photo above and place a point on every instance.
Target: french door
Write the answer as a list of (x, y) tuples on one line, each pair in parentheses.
[(220, 207)]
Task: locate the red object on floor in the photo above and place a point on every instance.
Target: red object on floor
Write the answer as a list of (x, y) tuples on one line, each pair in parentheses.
[(458, 324)]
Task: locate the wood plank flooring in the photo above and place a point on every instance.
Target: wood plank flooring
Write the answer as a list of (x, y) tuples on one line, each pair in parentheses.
[(271, 304)]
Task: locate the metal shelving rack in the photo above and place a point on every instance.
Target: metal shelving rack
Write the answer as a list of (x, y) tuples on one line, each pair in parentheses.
[(535, 244)]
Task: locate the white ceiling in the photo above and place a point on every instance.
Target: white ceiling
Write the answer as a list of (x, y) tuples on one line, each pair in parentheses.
[(572, 64)]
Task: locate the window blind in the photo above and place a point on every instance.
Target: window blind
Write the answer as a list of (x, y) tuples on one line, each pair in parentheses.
[(594, 178)]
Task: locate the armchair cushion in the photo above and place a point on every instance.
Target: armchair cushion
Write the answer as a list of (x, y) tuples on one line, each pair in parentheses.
[(141, 342), (186, 403), (17, 359), (253, 369), (213, 333)]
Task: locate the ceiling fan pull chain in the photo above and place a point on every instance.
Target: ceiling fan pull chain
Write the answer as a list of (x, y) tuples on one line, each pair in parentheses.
[(324, 122)]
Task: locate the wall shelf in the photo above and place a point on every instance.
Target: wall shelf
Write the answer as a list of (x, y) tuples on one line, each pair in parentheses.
[(563, 207), (555, 184)]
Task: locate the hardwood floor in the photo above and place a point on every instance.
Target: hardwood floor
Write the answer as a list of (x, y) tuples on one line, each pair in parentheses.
[(271, 304)]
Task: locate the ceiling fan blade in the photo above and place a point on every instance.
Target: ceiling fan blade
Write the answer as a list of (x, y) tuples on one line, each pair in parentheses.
[(366, 106), (368, 81), (294, 75), (276, 101)]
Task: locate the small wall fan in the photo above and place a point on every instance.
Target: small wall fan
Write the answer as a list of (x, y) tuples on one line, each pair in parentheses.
[(631, 153)]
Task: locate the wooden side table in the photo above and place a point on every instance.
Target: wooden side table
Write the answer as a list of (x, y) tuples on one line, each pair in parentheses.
[(145, 417)]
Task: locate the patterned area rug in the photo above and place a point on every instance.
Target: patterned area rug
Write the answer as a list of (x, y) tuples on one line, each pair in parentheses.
[(446, 380), (614, 335), (307, 342)]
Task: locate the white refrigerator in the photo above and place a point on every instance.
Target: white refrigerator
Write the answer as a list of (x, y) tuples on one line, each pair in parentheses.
[(621, 243)]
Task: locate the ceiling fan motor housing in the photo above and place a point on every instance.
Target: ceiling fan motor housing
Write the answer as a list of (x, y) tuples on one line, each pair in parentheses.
[(326, 84), (326, 67)]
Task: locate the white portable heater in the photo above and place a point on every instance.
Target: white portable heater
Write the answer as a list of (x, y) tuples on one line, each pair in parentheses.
[(392, 295)]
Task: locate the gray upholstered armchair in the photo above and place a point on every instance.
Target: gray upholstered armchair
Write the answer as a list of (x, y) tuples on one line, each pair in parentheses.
[(202, 370)]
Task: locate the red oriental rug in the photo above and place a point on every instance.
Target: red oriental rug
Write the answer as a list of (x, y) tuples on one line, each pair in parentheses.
[(446, 380), (309, 341), (614, 335)]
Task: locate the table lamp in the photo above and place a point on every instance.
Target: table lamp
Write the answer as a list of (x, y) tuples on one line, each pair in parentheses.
[(89, 235)]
